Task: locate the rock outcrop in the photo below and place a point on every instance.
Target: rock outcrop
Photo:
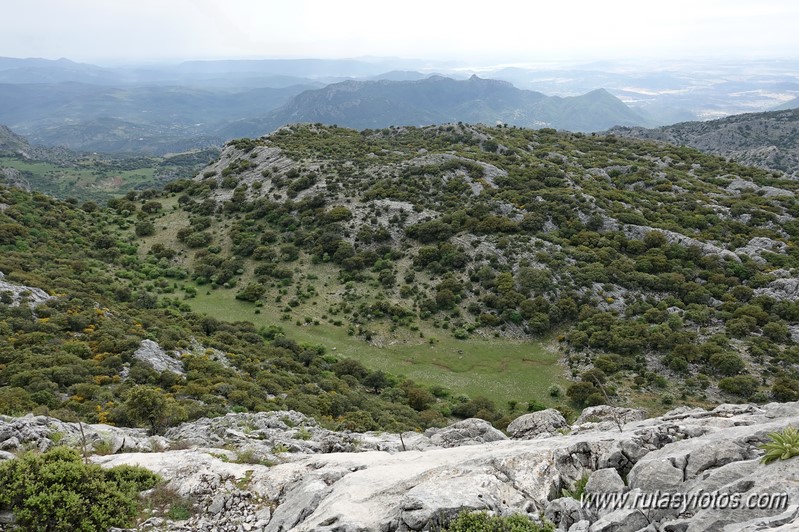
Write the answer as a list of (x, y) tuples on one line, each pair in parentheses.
[(151, 353), (33, 296), (297, 484), (781, 289), (542, 424), (467, 432), (42, 432)]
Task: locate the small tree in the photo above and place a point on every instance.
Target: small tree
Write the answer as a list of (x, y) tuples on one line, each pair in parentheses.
[(376, 380), (151, 406)]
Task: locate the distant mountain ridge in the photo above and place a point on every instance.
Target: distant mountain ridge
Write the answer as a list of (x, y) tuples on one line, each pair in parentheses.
[(439, 99), (160, 109), (14, 145), (790, 104), (768, 140)]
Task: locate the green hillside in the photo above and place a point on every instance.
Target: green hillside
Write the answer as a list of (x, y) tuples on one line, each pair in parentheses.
[(403, 276)]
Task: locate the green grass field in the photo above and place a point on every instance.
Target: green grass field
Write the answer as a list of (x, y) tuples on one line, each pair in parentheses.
[(81, 181), (499, 369)]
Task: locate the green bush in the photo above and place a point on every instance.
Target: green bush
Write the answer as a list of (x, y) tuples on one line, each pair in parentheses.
[(783, 445), (482, 522), (578, 489), (56, 491), (742, 385)]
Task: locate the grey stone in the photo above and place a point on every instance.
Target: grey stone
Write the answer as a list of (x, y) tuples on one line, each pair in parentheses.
[(712, 456), (625, 520), (564, 512), (11, 444), (612, 414), (378, 488), (605, 481), (580, 526), (541, 424), (467, 432), (653, 475), (217, 505), (151, 353), (34, 296)]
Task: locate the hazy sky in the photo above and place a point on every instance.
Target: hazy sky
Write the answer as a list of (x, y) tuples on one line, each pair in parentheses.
[(487, 30)]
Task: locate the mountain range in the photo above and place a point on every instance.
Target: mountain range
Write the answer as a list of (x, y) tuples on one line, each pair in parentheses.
[(193, 105), (768, 140), (437, 100)]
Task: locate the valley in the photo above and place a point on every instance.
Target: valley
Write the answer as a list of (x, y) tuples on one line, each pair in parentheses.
[(429, 267)]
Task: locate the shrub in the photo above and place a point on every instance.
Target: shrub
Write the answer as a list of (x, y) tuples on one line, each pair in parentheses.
[(783, 445), (576, 492), (482, 522), (785, 389), (535, 406), (144, 228), (742, 385), (57, 491)]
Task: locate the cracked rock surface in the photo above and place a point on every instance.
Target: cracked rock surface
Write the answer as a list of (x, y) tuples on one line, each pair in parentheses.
[(280, 471)]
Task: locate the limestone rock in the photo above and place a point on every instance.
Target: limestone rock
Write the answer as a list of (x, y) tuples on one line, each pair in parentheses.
[(381, 488), (781, 289), (606, 417), (605, 480), (541, 424), (34, 296), (672, 237), (151, 353), (43, 432), (757, 245), (654, 475), (625, 520), (565, 512), (470, 431)]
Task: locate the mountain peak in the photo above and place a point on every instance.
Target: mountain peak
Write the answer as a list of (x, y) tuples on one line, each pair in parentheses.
[(438, 100)]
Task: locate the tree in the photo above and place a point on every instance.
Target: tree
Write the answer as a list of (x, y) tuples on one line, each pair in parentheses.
[(419, 398), (727, 364), (580, 392), (251, 292), (144, 228), (151, 207), (153, 407), (376, 380)]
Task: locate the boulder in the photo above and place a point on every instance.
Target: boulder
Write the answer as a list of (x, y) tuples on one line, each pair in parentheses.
[(470, 431), (624, 520), (654, 475), (41, 432), (781, 289), (605, 480), (565, 512), (541, 424)]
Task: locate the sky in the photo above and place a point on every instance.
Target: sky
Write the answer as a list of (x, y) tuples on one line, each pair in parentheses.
[(489, 31)]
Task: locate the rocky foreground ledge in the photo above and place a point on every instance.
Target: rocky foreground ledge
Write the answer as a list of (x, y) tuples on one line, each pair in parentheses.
[(280, 471)]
